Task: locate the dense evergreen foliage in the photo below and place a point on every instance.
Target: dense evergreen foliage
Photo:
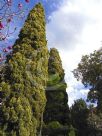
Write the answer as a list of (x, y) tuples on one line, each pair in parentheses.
[(22, 89), (56, 115), (79, 115), (55, 64)]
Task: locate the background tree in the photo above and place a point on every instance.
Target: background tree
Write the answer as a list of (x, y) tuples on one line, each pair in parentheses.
[(22, 89), (56, 115), (79, 114), (89, 71)]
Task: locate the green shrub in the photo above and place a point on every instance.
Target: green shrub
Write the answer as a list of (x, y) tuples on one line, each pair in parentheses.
[(72, 131), (54, 125)]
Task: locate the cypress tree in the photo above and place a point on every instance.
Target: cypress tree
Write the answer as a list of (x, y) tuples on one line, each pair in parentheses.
[(57, 110), (22, 90), (55, 64)]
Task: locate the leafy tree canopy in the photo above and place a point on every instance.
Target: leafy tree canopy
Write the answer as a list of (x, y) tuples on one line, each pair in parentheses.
[(89, 71)]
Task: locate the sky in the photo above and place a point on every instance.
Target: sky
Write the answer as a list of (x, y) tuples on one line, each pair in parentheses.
[(49, 6), (75, 29)]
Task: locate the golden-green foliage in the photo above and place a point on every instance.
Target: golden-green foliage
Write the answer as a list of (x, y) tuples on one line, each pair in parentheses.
[(55, 63), (23, 87)]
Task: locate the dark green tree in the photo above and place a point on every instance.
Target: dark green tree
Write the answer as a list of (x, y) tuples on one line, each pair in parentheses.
[(89, 71), (57, 110), (79, 114), (22, 89)]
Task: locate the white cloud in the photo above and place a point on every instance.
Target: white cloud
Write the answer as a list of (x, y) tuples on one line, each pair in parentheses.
[(75, 29)]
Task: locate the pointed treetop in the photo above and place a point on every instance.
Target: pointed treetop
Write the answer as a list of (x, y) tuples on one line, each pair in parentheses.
[(55, 63)]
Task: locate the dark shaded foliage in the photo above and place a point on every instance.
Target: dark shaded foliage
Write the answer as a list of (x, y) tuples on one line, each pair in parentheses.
[(57, 99), (79, 115)]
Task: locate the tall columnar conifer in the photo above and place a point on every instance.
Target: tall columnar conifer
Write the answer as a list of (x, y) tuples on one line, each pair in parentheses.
[(22, 92), (55, 63), (57, 111)]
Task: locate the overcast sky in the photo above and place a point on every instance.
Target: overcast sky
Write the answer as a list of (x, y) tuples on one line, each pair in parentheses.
[(75, 29)]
